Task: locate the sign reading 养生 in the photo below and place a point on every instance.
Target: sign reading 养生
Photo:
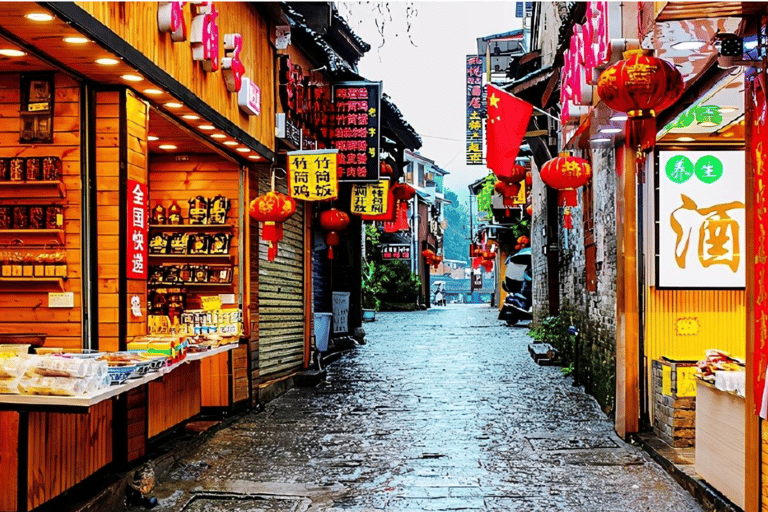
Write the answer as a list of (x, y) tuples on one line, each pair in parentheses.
[(701, 221)]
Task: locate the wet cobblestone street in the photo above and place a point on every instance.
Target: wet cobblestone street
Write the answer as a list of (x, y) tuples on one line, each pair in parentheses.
[(441, 410)]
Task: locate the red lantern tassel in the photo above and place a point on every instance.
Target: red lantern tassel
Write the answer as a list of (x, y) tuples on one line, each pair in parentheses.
[(567, 218), (331, 238), (567, 198), (642, 135)]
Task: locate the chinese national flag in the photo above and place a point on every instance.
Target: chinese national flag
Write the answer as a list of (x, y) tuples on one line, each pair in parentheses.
[(507, 123)]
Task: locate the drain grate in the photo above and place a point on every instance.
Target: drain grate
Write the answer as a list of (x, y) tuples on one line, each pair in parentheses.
[(571, 443), (244, 504)]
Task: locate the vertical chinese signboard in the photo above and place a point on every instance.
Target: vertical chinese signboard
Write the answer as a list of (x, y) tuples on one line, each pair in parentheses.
[(474, 106), (312, 175), (701, 219), (758, 142), (370, 198), (357, 107), (136, 218)]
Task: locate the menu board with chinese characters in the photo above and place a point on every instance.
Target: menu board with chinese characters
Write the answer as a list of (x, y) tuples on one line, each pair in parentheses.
[(395, 252), (370, 198), (312, 175), (701, 219), (474, 106), (137, 230), (356, 133)]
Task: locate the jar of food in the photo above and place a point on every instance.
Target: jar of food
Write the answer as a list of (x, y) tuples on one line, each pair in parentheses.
[(34, 170), (20, 217), (5, 169), (52, 168), (18, 170)]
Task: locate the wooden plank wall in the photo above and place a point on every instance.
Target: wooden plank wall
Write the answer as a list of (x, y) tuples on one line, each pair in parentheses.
[(136, 22), (137, 117), (136, 419), (240, 389), (108, 216), (9, 460), (66, 448), (214, 372), (28, 311), (281, 295), (174, 398)]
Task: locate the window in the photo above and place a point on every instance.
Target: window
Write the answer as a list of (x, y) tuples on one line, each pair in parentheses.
[(589, 238)]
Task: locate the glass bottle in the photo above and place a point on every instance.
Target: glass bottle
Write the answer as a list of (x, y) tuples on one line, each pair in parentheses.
[(174, 214), (158, 214)]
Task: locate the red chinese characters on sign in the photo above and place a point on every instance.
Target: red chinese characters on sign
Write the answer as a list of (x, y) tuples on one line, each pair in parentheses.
[(170, 18), (137, 230), (759, 149), (589, 49), (356, 131), (205, 35), (231, 65)]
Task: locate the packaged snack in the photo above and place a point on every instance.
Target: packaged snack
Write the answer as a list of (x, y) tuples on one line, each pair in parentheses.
[(174, 214), (20, 217), (6, 217), (159, 243), (179, 243), (18, 170), (156, 273), (158, 214), (199, 243), (171, 274), (199, 273), (198, 210), (34, 171), (5, 169), (219, 243), (218, 208), (52, 168), (54, 217), (36, 217)]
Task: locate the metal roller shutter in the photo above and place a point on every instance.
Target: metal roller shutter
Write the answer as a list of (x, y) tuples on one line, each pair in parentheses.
[(281, 295)]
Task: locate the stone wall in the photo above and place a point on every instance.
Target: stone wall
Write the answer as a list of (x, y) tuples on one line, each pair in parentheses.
[(674, 417), (538, 241)]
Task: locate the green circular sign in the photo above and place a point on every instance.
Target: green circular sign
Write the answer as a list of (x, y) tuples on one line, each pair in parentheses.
[(709, 169), (679, 169)]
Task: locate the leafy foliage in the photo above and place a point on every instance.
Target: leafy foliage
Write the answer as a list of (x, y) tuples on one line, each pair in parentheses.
[(385, 282), (456, 235)]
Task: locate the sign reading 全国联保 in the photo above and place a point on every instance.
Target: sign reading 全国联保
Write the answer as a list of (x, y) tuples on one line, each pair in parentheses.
[(701, 219)]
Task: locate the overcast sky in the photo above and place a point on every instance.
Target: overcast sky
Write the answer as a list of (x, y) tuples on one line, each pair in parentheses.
[(427, 81)]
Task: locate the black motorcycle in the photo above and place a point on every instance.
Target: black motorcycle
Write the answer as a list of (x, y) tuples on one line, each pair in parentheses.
[(518, 283)]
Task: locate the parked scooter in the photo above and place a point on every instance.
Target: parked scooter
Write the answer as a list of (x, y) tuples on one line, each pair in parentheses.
[(518, 283)]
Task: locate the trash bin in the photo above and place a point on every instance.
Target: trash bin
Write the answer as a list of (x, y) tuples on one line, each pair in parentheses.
[(322, 331)]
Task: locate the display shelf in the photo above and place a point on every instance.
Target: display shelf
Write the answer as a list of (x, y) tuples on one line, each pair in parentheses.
[(37, 237), (208, 228), (26, 283), (111, 391), (212, 258), (32, 189), (187, 284)]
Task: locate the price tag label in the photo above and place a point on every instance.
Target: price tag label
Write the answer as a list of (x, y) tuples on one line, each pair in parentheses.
[(211, 303)]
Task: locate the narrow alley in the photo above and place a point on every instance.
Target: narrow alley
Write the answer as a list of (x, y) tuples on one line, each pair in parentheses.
[(440, 410)]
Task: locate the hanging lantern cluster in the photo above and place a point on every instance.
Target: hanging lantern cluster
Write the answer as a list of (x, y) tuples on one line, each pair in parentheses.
[(566, 174), (402, 193), (333, 221), (485, 259), (432, 259), (272, 209), (508, 184), (641, 86), (385, 169), (522, 242)]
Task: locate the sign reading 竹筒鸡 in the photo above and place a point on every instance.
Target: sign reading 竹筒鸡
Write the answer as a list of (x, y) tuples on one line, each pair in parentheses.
[(312, 175), (204, 39), (356, 132), (701, 219), (474, 107), (370, 198)]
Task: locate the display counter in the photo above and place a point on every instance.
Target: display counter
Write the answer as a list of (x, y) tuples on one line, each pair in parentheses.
[(51, 443), (720, 440)]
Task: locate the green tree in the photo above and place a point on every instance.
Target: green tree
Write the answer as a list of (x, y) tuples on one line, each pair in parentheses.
[(456, 235)]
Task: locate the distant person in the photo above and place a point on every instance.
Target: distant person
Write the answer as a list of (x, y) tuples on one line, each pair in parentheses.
[(439, 299)]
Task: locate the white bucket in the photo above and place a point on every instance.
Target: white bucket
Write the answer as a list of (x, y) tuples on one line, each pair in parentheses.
[(322, 330)]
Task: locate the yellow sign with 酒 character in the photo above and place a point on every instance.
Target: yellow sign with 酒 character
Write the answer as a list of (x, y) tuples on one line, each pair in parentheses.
[(370, 198), (312, 175)]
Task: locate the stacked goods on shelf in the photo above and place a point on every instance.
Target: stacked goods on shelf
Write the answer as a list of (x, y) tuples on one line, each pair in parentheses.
[(726, 373), (52, 375)]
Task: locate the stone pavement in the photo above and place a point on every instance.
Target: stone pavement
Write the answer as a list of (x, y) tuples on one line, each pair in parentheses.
[(441, 410)]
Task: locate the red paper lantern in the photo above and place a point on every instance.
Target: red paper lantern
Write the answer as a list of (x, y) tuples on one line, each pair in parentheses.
[(518, 247), (515, 174), (566, 174), (528, 178), (385, 169), (437, 260), (640, 85), (400, 223), (333, 221), (529, 210), (403, 192), (523, 240), (508, 193), (273, 208)]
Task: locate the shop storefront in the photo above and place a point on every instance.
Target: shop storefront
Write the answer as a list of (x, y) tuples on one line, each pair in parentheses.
[(124, 226)]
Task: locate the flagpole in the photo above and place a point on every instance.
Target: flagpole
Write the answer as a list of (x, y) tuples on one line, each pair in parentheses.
[(546, 113)]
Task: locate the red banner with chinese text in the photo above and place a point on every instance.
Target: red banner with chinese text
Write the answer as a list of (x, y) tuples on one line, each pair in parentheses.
[(758, 146), (136, 230)]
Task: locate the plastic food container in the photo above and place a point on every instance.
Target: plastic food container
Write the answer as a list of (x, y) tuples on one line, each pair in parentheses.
[(119, 374), (14, 350)]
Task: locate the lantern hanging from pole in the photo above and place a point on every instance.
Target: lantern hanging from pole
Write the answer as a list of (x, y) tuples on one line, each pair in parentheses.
[(402, 193), (566, 174), (437, 260), (333, 221), (272, 209), (508, 193), (513, 174), (641, 86)]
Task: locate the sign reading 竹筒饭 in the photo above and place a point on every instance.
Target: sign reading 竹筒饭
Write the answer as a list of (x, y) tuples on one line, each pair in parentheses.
[(137, 230), (312, 175), (701, 219), (357, 107), (475, 65), (370, 198)]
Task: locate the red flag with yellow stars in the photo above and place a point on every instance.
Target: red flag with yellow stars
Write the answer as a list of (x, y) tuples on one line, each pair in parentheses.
[(507, 122)]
